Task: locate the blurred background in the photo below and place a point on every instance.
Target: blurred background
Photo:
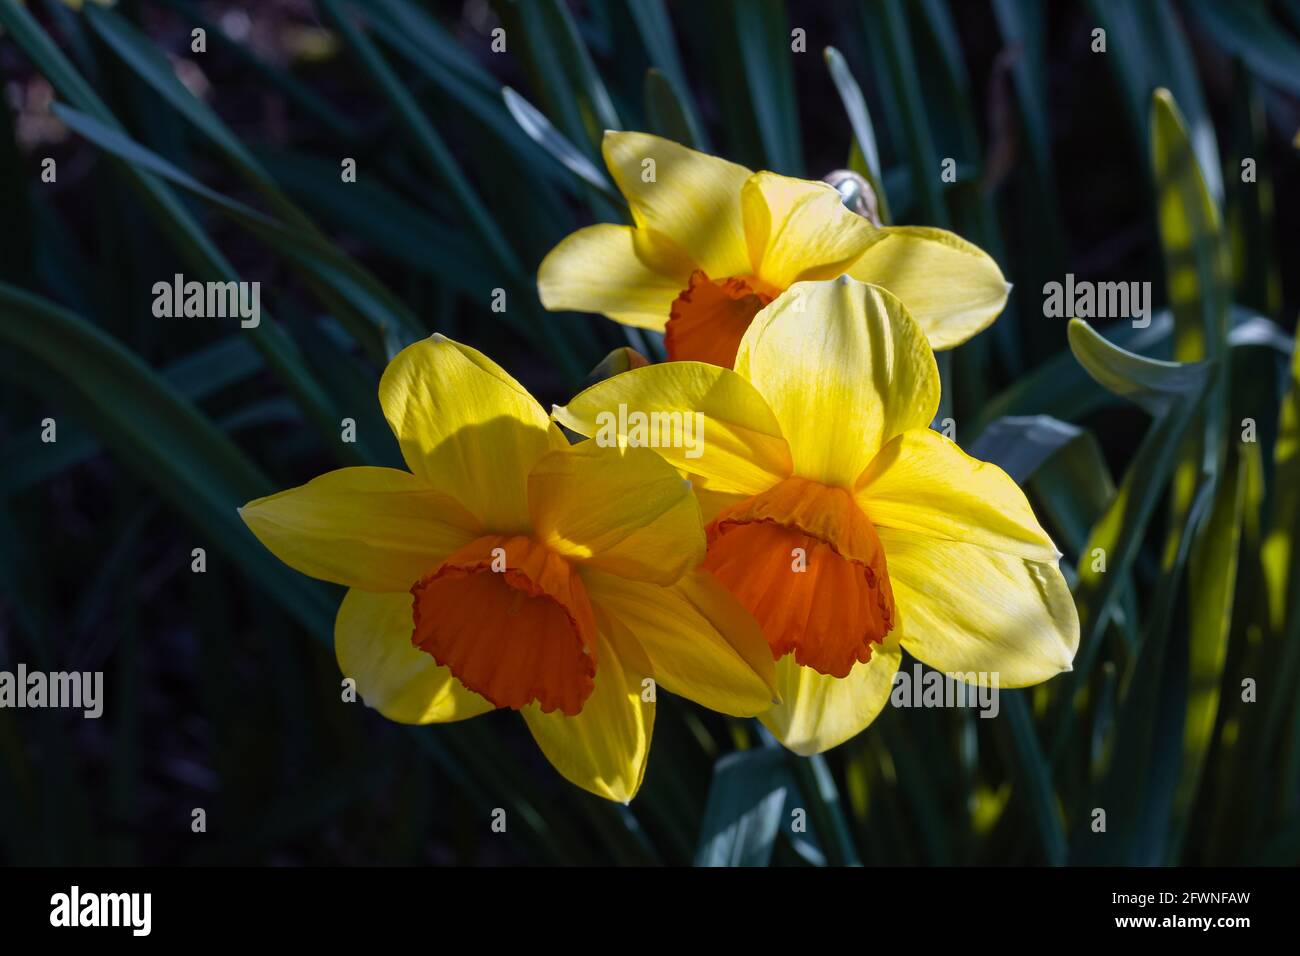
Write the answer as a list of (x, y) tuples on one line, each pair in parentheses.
[(222, 159)]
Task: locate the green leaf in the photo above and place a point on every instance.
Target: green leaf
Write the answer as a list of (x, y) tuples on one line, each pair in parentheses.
[(1021, 445), (1113, 545), (1211, 587), (426, 47), (428, 144), (540, 131), (1142, 772), (1147, 47), (864, 134), (666, 113), (763, 36), (195, 377), (824, 808), (193, 244), (1155, 385), (905, 87), (652, 23), (151, 66), (1281, 560), (162, 437), (743, 814), (1034, 777), (379, 321), (1246, 30), (386, 222)]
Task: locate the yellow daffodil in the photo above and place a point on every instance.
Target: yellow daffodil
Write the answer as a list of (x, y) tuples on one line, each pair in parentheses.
[(845, 524), (714, 243), (509, 568)]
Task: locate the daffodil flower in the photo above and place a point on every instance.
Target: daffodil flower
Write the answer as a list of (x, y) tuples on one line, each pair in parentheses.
[(845, 524), (714, 243), (511, 569)]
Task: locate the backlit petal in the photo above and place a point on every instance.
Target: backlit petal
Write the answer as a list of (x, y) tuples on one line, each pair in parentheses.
[(923, 482), (797, 229), (952, 287), (380, 529), (626, 511), (618, 271), (968, 609), (372, 640), (690, 197), (739, 448), (467, 428), (818, 712), (604, 748), (701, 643), (845, 369)]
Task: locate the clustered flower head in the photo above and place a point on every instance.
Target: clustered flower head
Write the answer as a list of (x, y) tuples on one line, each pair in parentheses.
[(776, 568)]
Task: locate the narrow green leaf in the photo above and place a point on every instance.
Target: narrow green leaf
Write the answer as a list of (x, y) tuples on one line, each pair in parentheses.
[(651, 19), (1147, 47), (1153, 384), (905, 87), (1246, 30), (665, 111), (379, 321), (1142, 771), (192, 243), (864, 134), (763, 34), (424, 137), (162, 437), (540, 130), (1211, 587)]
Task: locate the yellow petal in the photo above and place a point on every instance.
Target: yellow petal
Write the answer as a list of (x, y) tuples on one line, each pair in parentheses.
[(818, 712), (923, 482), (467, 428), (603, 748), (625, 511), (624, 273), (691, 198), (796, 229), (739, 446), (967, 609), (952, 287), (701, 643), (374, 528), (372, 640), (845, 369)]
